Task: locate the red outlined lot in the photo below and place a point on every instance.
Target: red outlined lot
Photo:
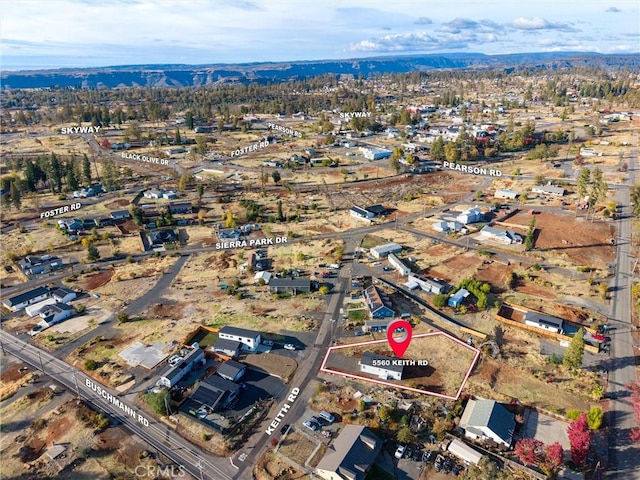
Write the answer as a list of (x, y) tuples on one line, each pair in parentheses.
[(475, 351)]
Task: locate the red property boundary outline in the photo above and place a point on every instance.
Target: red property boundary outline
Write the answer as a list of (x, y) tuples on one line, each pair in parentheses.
[(323, 367)]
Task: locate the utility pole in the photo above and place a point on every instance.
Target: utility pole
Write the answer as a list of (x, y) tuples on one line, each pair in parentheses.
[(41, 364), (76, 382)]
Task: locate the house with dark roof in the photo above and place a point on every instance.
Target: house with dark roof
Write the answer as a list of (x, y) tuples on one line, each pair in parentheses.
[(18, 302), (228, 234), (249, 339), (215, 393), (162, 237), (56, 313), (488, 420), (358, 212), (377, 210), (386, 368), (351, 455), (120, 214), (63, 295), (181, 207), (290, 285), (378, 303), (232, 370), (227, 347)]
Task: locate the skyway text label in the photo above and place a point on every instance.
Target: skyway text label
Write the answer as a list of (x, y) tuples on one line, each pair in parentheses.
[(350, 115), (283, 411), (116, 401), (67, 130), (472, 170)]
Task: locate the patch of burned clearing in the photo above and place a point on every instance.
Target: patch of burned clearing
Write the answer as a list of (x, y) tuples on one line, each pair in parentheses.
[(96, 280)]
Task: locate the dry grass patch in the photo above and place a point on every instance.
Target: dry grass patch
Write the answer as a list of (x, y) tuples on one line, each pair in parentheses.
[(272, 467), (282, 367), (297, 447)]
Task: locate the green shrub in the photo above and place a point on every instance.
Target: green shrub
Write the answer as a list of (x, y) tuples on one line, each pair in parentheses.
[(90, 365)]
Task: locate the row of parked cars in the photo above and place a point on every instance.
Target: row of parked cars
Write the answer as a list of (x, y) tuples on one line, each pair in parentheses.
[(315, 423)]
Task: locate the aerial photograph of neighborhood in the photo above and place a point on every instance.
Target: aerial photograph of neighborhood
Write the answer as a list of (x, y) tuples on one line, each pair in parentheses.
[(328, 240)]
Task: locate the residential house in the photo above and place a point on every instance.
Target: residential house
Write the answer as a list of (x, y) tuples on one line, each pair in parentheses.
[(227, 347), (153, 194), (63, 295), (549, 190), (428, 284), (18, 302), (262, 275), (377, 209), (386, 368), (504, 193), (249, 339), (228, 234), (381, 251), (162, 237), (232, 370), (120, 214), (358, 212), (499, 235), (374, 153), (378, 303), (464, 452), (36, 308), (56, 313), (399, 265), (544, 322), (375, 325), (456, 299), (290, 285), (488, 420), (215, 393), (351, 455), (173, 375), (447, 227), (181, 207), (472, 215), (170, 195)]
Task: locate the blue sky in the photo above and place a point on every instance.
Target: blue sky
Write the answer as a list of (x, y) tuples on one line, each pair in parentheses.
[(84, 33)]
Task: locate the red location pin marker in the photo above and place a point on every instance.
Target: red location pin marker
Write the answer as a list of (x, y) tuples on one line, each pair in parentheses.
[(399, 343)]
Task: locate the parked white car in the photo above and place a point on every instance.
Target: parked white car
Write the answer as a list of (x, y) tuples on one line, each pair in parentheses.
[(176, 359), (289, 346)]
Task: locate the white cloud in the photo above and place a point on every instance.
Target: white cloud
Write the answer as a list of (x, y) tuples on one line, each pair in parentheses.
[(537, 23), (613, 10), (423, 21)]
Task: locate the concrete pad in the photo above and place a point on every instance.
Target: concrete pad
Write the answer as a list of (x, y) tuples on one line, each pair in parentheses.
[(71, 325), (143, 355), (546, 429)]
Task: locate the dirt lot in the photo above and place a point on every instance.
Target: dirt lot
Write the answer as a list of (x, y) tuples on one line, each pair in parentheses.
[(111, 453), (208, 272), (457, 267), (13, 377), (282, 367), (297, 447), (272, 467), (569, 239)]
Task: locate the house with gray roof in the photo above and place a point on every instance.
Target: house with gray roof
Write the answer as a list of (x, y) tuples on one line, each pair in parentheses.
[(378, 303), (232, 370), (351, 455), (386, 368), (488, 420), (249, 339)]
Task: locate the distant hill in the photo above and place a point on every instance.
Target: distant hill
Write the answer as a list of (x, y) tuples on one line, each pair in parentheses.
[(194, 75)]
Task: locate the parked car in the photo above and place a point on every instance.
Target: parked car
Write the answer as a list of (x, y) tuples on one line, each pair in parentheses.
[(400, 451), (174, 360), (327, 416), (387, 268), (289, 346), (284, 429), (311, 425)]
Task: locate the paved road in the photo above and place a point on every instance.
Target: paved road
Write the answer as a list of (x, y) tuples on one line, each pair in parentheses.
[(624, 456), (156, 434)]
